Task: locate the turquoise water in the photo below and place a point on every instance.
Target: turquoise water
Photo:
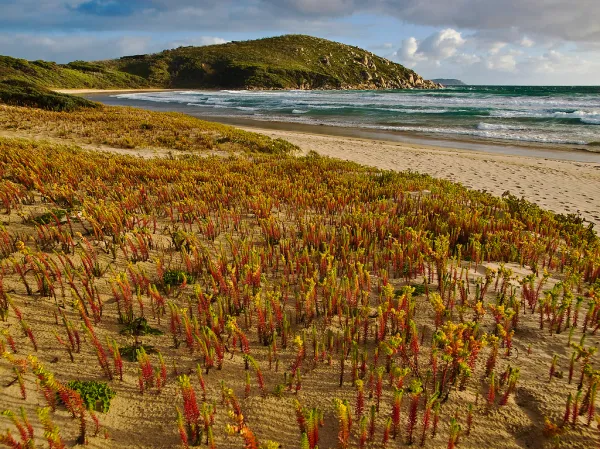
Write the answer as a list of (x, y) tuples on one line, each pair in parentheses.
[(511, 114)]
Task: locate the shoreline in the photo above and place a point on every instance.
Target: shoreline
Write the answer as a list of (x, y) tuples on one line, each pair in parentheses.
[(530, 149), (562, 181)]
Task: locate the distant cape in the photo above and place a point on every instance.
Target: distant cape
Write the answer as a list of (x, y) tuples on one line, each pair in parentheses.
[(449, 82)]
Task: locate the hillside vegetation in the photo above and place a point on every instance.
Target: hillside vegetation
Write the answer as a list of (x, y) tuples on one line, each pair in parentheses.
[(285, 62), (78, 74), (16, 92)]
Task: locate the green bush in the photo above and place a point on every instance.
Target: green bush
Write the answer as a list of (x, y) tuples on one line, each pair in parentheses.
[(177, 277), (96, 395), (140, 327), (49, 217), (23, 93)]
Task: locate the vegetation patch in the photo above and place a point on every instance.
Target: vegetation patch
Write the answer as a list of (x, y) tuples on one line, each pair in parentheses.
[(96, 395), (177, 277), (23, 93)]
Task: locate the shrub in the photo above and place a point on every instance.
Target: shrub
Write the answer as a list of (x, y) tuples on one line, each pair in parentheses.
[(23, 93), (96, 395), (177, 277)]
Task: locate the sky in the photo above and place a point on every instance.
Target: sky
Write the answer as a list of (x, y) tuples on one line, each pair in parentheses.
[(527, 42)]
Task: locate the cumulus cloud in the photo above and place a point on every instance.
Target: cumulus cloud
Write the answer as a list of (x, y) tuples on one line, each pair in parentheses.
[(438, 46), (502, 58), (443, 44), (501, 62)]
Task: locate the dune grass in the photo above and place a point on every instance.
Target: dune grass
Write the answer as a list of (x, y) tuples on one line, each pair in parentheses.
[(132, 128)]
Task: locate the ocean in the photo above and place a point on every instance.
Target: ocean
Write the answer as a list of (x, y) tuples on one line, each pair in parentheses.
[(556, 116)]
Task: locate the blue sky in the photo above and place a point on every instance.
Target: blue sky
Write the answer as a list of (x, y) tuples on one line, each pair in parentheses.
[(478, 41)]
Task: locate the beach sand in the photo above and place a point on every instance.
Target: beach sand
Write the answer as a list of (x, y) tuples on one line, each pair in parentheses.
[(137, 421), (565, 187), (102, 91)]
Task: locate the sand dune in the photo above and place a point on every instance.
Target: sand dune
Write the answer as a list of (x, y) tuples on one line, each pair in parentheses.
[(561, 186)]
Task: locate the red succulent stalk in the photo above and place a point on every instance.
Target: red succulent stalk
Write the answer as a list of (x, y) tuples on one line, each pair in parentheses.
[(21, 383), (11, 342), (575, 410), (454, 433), (416, 391), (300, 417), (182, 431), (96, 422), (396, 412), (372, 421), (469, 419), (360, 399), (250, 441), (386, 432), (427, 417), (191, 412), (567, 413), (162, 369), (436, 418), (492, 390), (363, 433), (591, 411), (117, 360), (201, 382)]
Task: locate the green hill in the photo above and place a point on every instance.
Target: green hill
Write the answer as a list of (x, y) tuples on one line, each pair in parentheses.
[(285, 62)]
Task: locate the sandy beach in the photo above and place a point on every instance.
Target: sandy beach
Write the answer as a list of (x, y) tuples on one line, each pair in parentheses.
[(561, 186), (147, 420), (107, 91)]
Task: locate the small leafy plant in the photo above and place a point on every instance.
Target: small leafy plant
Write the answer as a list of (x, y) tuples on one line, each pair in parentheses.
[(96, 395), (140, 327), (50, 217), (177, 277)]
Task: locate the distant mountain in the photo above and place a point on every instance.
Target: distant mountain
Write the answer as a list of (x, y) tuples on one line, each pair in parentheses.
[(448, 82), (285, 62)]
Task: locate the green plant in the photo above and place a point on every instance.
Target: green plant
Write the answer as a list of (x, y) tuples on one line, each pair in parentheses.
[(177, 277), (140, 327), (130, 352), (96, 395), (50, 217)]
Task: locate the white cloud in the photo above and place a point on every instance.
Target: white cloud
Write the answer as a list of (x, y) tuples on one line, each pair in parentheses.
[(501, 62), (438, 46), (495, 47), (500, 58), (526, 42), (441, 45)]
